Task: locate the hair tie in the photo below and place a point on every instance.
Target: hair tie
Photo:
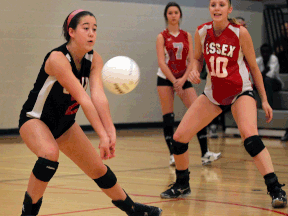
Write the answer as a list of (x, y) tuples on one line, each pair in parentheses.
[(71, 17)]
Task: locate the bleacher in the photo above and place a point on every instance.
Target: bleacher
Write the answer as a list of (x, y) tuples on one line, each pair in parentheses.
[(280, 113), (276, 36)]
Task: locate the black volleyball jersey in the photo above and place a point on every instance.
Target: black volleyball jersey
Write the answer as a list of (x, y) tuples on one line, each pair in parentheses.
[(48, 100)]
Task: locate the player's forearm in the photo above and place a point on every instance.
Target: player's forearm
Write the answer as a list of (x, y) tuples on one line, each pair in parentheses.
[(94, 119), (167, 72), (102, 106), (197, 65), (188, 70)]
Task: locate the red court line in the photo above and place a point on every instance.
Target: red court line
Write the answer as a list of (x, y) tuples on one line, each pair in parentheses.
[(197, 200), (141, 195), (236, 204), (97, 209), (99, 191)]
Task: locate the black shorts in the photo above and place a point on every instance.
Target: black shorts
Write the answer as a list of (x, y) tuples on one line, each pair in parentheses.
[(226, 107), (166, 82), (57, 128)]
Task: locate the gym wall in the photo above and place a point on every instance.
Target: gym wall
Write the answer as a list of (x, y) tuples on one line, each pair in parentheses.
[(31, 28)]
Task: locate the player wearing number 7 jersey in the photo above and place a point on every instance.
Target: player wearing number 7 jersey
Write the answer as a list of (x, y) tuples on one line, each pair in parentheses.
[(224, 45), (175, 54)]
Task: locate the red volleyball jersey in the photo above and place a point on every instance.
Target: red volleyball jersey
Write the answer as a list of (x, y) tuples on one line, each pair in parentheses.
[(228, 71), (176, 52)]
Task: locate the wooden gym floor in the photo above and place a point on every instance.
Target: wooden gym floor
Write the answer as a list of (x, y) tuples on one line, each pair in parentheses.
[(229, 186)]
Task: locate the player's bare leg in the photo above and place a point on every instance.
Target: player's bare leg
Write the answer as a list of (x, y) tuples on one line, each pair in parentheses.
[(41, 142), (246, 119), (207, 156), (194, 120), (75, 144)]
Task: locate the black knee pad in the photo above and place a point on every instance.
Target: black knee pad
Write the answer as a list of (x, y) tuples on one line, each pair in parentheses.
[(107, 181), (253, 145), (179, 148), (44, 169)]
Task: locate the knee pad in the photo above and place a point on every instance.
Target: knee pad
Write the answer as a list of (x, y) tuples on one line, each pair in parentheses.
[(107, 181), (179, 148), (253, 145), (44, 169)]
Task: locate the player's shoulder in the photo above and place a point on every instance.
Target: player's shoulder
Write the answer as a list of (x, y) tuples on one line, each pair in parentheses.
[(164, 32), (57, 56), (97, 58), (56, 63), (243, 31), (162, 35), (205, 25), (185, 33), (236, 28), (58, 53)]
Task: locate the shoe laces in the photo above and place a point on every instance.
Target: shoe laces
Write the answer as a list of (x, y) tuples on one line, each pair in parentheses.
[(275, 189), (172, 185), (175, 185)]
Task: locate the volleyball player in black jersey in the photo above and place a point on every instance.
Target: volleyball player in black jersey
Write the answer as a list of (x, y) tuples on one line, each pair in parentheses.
[(47, 120)]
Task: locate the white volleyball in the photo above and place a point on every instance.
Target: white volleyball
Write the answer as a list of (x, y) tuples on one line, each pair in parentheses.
[(120, 75)]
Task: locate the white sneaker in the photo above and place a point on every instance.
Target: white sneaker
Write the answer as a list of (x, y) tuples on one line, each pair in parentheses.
[(209, 157), (172, 160)]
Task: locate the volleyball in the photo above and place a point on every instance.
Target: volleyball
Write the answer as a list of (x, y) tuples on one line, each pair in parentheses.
[(120, 75)]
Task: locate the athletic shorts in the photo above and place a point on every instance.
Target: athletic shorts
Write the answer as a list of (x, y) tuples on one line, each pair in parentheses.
[(57, 128), (166, 82), (226, 107)]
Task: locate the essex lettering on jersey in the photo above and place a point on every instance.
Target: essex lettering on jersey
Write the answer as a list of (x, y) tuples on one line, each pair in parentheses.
[(220, 49), (228, 70)]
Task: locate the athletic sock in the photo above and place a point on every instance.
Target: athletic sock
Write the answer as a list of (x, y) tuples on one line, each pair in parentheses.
[(202, 138)]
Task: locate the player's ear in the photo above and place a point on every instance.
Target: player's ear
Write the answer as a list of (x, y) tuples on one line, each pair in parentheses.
[(71, 32), (230, 9)]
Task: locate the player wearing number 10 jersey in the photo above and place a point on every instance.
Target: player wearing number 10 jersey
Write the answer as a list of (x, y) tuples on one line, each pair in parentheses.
[(229, 72), (223, 43)]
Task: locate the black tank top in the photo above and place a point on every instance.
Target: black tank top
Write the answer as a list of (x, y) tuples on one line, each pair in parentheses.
[(48, 100)]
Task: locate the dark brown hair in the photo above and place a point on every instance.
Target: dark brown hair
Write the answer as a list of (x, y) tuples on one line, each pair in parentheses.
[(170, 4), (74, 22)]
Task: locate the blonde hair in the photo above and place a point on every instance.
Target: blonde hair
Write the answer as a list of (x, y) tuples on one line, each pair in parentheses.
[(233, 21)]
